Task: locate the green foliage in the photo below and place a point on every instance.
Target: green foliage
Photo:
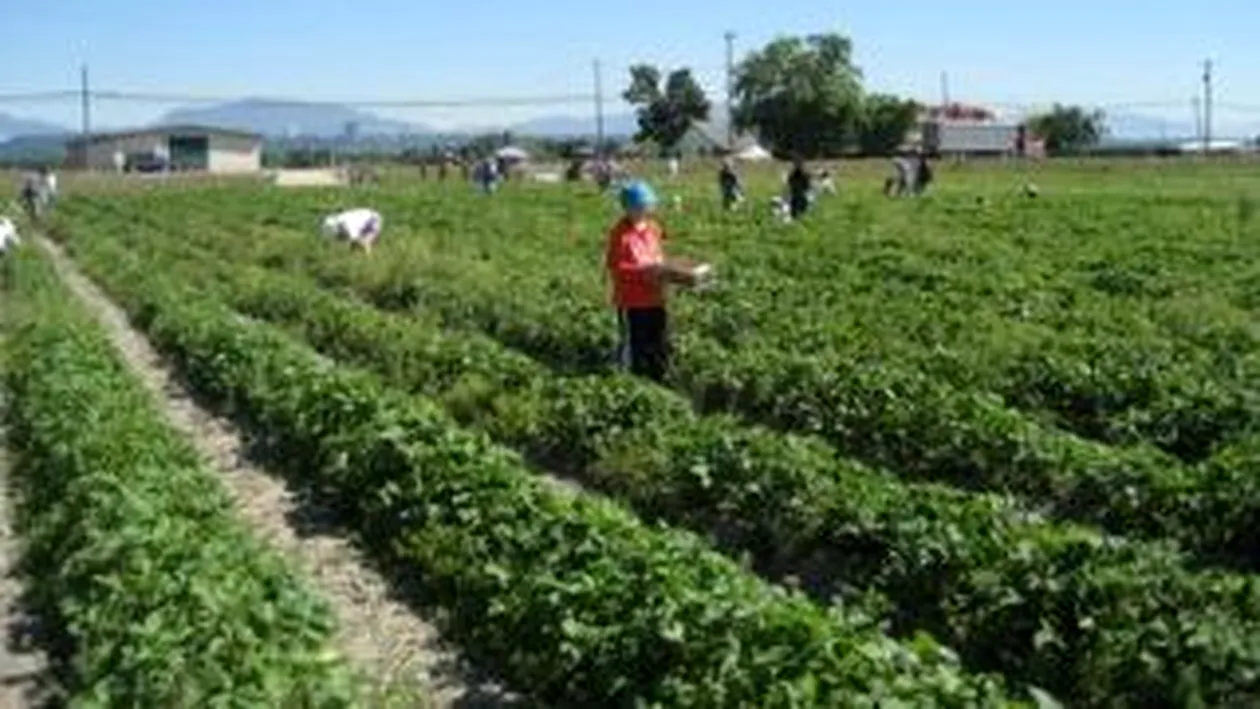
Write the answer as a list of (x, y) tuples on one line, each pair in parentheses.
[(567, 597), (886, 121), (948, 563), (1068, 128), (803, 96), (132, 553), (665, 115)]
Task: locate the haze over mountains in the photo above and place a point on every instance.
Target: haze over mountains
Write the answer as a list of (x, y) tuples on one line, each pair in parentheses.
[(281, 119)]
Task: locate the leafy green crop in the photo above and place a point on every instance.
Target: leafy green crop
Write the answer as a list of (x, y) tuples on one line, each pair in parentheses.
[(568, 598), (132, 553), (902, 418), (951, 564)]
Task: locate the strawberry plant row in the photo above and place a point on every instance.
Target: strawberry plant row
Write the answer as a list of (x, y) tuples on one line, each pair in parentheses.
[(1097, 370), (937, 555), (985, 323), (568, 597), (901, 419), (156, 595)]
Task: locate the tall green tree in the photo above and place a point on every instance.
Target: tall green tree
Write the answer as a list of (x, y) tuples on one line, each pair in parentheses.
[(666, 112), (1068, 128), (886, 120), (802, 95)]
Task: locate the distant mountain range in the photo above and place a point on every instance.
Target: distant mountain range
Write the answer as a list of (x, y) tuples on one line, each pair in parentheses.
[(278, 120), (13, 127)]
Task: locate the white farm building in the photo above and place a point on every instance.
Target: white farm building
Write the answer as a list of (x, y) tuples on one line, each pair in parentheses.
[(177, 148)]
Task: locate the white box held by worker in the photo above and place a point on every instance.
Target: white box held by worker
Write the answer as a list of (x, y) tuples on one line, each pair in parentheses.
[(686, 272)]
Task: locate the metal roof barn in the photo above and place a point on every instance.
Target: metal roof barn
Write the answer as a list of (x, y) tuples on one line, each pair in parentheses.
[(178, 148)]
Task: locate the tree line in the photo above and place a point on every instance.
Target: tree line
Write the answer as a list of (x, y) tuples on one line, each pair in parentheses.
[(804, 97)]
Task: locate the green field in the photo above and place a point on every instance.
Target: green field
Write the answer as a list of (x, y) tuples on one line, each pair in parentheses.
[(1023, 427)]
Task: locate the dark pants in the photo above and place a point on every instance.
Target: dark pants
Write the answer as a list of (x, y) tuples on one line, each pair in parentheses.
[(645, 337), (798, 204)]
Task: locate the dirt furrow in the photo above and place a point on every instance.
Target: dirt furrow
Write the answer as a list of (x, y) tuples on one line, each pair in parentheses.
[(23, 669), (381, 635)]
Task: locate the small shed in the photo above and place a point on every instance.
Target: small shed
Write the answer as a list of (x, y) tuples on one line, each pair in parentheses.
[(183, 148)]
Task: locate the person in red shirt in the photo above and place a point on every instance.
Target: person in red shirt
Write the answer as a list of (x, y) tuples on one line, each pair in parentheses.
[(635, 261)]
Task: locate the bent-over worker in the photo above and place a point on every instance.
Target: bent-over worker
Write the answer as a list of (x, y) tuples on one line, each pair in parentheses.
[(8, 235), (360, 227)]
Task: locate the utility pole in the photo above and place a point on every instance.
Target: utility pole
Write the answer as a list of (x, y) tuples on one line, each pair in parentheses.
[(1207, 105), (730, 91), (599, 111), (1196, 108), (85, 98)]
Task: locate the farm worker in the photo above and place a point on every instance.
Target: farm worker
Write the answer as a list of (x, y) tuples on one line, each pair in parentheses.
[(635, 261), (487, 175), (826, 185), (31, 195), (923, 174), (8, 235), (49, 186), (360, 227), (728, 184), (673, 166), (912, 176), (904, 178), (799, 184)]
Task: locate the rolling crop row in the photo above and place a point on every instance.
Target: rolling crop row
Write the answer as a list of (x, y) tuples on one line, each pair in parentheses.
[(569, 598), (1067, 324), (902, 419), (132, 554), (949, 563)]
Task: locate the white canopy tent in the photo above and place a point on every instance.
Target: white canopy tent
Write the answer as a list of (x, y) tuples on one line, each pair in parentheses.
[(753, 153), (512, 153)]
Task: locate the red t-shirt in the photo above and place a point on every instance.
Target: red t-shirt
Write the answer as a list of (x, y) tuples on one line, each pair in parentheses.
[(631, 250)]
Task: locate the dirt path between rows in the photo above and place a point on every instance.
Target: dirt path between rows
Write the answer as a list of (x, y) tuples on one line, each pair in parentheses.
[(23, 679), (379, 634)]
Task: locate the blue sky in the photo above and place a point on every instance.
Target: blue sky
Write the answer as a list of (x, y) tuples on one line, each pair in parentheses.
[(1099, 52)]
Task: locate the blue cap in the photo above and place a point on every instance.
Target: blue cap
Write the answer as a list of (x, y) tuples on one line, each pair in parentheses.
[(637, 195)]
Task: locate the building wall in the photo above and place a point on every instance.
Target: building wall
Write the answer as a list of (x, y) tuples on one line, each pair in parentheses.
[(234, 154), (99, 155), (228, 153)]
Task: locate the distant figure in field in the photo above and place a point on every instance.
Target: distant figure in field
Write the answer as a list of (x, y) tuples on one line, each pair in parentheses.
[(361, 227), (799, 186), (49, 185), (487, 175), (826, 185), (729, 185), (911, 176), (780, 210), (8, 236), (31, 195), (674, 166)]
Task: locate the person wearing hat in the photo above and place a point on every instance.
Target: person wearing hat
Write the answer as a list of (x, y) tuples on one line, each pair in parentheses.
[(635, 260)]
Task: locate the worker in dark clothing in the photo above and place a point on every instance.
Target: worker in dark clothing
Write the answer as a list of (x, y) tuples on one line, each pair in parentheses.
[(728, 183), (924, 174), (799, 184), (31, 195)]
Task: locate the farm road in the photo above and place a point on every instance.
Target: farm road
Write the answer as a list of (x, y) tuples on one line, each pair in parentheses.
[(381, 636)]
